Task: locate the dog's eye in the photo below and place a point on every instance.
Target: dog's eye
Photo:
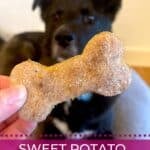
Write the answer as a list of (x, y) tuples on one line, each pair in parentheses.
[(57, 16), (89, 19)]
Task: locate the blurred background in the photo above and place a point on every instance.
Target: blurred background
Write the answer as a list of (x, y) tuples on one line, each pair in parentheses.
[(132, 25)]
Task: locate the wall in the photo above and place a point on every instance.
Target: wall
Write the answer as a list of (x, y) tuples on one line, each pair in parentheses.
[(17, 16), (132, 25)]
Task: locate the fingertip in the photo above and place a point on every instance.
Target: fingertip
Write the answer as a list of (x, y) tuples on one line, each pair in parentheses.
[(21, 95), (15, 95)]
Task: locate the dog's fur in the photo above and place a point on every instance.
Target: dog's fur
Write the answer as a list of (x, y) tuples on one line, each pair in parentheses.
[(1, 42), (68, 26)]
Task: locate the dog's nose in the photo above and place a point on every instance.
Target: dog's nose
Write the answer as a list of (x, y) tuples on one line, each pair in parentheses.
[(64, 40)]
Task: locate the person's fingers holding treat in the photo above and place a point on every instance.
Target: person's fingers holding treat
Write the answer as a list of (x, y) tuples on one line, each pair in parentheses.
[(19, 129), (12, 98)]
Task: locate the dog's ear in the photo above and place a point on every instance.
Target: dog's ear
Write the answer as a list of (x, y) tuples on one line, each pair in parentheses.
[(36, 3), (107, 7), (41, 3)]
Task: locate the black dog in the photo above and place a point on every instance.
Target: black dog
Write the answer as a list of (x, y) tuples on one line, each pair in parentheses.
[(68, 26), (1, 42)]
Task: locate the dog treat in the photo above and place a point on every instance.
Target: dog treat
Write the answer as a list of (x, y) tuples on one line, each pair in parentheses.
[(99, 69)]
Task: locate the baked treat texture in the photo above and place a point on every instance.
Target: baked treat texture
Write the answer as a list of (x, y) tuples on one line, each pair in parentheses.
[(99, 69)]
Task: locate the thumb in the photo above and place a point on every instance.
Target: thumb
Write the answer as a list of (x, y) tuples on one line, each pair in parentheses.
[(11, 99)]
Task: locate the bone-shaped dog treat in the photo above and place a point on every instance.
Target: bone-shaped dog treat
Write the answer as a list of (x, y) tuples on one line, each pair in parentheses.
[(99, 69)]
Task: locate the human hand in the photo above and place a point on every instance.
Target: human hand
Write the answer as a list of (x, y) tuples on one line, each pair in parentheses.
[(12, 98)]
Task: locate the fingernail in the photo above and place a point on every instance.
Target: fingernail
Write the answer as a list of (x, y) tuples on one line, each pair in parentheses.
[(16, 95)]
